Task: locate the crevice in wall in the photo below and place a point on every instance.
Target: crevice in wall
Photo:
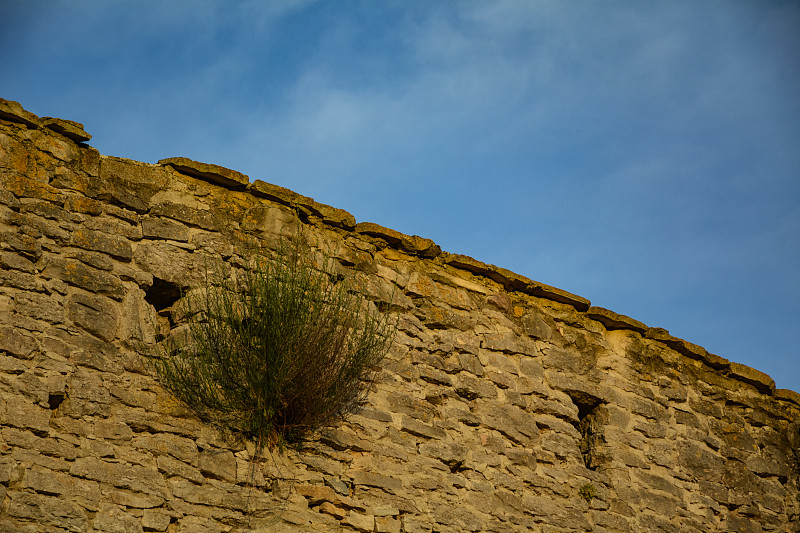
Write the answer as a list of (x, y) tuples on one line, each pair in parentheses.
[(55, 399), (162, 294), (589, 427)]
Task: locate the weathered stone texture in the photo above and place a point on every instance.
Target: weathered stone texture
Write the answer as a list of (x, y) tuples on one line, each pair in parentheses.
[(503, 405)]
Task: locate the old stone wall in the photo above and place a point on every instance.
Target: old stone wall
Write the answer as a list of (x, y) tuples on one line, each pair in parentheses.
[(503, 405)]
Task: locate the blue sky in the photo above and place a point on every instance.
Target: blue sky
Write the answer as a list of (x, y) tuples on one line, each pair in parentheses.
[(644, 155)]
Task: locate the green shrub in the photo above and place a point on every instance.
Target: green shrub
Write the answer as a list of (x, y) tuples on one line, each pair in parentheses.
[(278, 351), (587, 492)]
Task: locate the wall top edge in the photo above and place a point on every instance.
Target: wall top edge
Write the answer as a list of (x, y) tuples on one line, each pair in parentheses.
[(11, 111), (14, 112)]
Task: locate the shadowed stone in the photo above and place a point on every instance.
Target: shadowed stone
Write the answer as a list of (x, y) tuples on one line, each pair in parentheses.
[(208, 172), (68, 128)]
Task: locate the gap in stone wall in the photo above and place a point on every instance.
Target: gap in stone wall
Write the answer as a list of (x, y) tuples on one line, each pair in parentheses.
[(587, 426)]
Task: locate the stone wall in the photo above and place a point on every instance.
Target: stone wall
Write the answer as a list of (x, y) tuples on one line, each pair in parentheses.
[(503, 405)]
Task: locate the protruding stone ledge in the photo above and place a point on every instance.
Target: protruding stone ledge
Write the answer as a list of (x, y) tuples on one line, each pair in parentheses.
[(552, 293), (276, 193), (329, 215), (788, 395), (515, 282), (13, 111), (754, 377), (687, 348), (612, 320), (679, 345), (208, 172), (412, 244), (68, 128)]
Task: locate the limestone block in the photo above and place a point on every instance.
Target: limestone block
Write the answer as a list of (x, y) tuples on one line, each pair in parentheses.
[(11, 260), (47, 307), (114, 520), (96, 314), (171, 263), (108, 244), (115, 221), (112, 430), (371, 479), (193, 216), (398, 402), (172, 467), (421, 429), (132, 499), (424, 286), (128, 183), (452, 454), (612, 320), (16, 343), (316, 494), (470, 387), (25, 187), (127, 476), (45, 510), (198, 524), (208, 172), (14, 112), (68, 128), (155, 520), (758, 379), (412, 244), (359, 521), (344, 439), (441, 316), (511, 421), (199, 494), (26, 245), (18, 411), (699, 461), (159, 228), (91, 279), (218, 464)]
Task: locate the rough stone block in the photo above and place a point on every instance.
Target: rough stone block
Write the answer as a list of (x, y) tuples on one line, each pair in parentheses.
[(399, 402), (359, 521), (88, 278), (380, 481), (11, 260), (101, 242), (218, 464), (14, 342), (14, 112), (208, 172), (420, 429), (511, 421), (159, 228), (316, 494), (423, 286), (155, 520), (758, 379), (95, 314), (412, 244), (68, 128), (50, 511), (612, 320), (127, 183), (471, 388), (19, 412), (343, 439)]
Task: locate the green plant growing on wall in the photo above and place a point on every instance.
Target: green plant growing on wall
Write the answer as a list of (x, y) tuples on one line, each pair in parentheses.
[(278, 351), (587, 492)]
